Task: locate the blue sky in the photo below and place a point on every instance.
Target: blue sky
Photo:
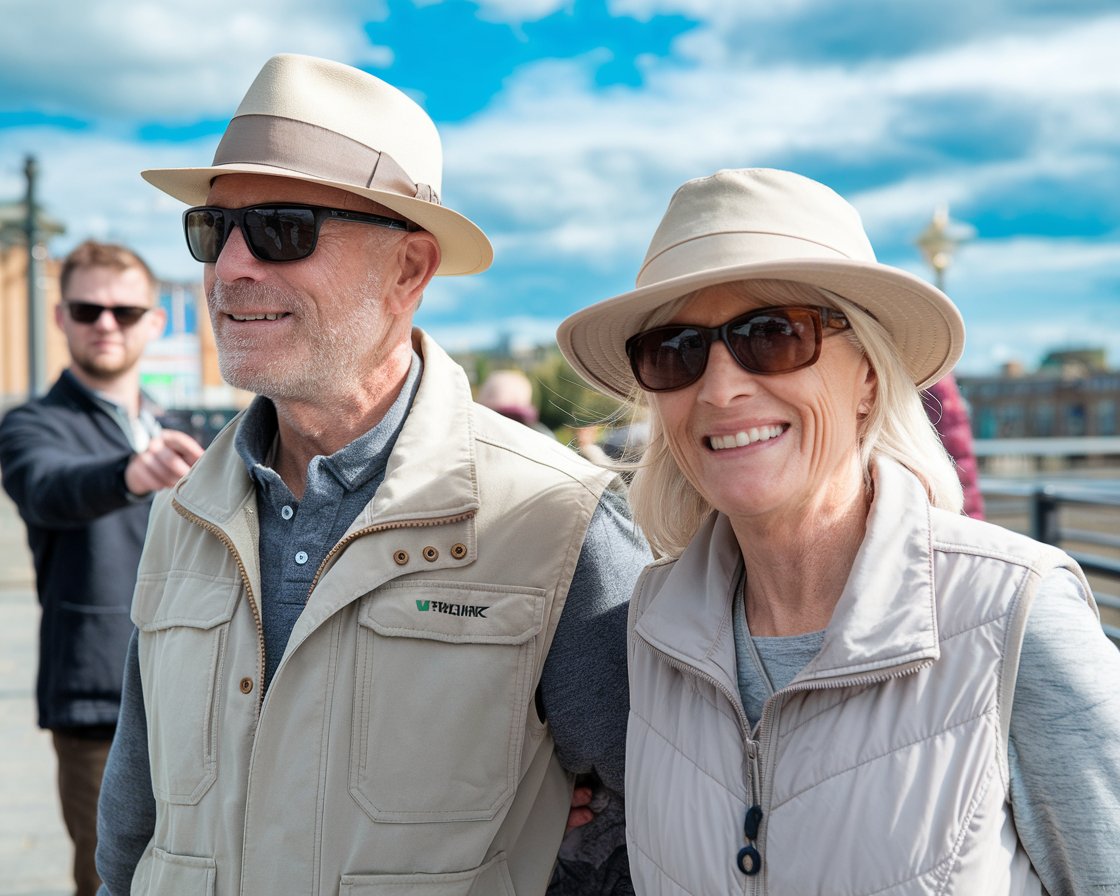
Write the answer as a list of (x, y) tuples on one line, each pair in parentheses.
[(567, 126)]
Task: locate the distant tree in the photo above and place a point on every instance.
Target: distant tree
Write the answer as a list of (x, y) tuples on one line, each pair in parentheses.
[(481, 369), (565, 400)]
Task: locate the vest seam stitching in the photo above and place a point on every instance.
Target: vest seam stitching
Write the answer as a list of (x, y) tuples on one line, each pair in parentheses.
[(677, 751), (987, 710)]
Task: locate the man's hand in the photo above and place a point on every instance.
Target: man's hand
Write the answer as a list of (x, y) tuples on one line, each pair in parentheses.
[(163, 463), (581, 812)]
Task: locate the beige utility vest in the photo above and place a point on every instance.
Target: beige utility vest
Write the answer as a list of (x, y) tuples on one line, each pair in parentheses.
[(398, 748), (882, 767)]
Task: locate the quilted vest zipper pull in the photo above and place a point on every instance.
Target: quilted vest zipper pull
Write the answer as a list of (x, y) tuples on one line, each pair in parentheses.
[(749, 859)]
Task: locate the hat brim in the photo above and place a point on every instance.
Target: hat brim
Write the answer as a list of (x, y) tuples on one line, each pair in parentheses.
[(924, 324), (464, 248)]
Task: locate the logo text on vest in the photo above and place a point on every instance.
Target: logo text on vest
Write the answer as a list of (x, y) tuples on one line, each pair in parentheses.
[(436, 606)]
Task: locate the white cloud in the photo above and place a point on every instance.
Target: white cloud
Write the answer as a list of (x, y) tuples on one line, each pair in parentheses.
[(519, 10), (157, 61)]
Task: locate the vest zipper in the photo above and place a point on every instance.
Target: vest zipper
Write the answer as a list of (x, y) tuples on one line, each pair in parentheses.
[(225, 540), (750, 747), (770, 710), (758, 752)]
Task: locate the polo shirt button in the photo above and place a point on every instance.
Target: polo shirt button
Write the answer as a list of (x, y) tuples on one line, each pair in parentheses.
[(287, 512), (400, 558), (246, 685), (301, 557), (458, 551), (430, 554)]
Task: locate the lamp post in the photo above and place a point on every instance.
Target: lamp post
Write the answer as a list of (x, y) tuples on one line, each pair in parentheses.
[(939, 241), (36, 328)]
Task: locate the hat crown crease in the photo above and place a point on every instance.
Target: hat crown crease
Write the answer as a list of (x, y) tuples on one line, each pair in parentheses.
[(662, 253)]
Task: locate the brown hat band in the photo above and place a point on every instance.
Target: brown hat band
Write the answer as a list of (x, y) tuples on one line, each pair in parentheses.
[(309, 149)]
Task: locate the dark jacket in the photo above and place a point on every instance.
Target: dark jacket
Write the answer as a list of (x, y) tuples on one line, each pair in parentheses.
[(62, 459)]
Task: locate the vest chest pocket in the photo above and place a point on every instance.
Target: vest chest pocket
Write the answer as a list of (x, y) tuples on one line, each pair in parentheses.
[(443, 681), (183, 619)]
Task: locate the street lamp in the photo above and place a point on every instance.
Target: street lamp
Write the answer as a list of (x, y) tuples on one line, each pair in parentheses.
[(939, 240)]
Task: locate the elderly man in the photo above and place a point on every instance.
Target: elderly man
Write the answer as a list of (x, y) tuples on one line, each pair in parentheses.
[(379, 627)]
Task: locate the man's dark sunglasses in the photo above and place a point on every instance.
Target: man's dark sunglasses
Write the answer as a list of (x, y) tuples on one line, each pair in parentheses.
[(90, 312), (764, 341), (272, 232)]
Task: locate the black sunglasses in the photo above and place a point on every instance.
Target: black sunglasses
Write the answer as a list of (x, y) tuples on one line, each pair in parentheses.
[(764, 341), (272, 232), (90, 312)]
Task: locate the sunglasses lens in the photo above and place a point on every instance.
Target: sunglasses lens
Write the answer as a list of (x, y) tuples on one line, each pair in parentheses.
[(205, 228), (127, 315), (84, 312), (280, 234), (90, 313), (775, 341), (668, 357)]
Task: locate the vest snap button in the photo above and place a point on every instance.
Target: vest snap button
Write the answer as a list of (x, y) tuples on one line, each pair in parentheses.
[(246, 685), (430, 554), (400, 558), (458, 551)]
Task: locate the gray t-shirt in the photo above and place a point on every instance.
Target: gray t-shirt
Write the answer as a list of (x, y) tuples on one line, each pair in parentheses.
[(1064, 746)]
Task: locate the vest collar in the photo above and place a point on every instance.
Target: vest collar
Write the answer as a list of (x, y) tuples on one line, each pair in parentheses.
[(886, 616), (437, 435)]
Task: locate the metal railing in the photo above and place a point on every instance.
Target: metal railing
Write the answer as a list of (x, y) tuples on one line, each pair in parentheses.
[(1082, 520)]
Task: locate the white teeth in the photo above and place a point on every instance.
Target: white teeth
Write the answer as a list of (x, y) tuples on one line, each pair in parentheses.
[(747, 437), (256, 316)]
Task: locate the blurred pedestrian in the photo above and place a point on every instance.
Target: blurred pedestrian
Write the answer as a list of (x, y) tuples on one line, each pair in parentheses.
[(81, 464), (947, 411), (510, 393)]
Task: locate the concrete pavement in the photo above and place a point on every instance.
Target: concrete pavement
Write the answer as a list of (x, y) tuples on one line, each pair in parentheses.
[(35, 852)]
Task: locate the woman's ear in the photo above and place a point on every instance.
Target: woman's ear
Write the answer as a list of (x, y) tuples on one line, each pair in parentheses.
[(868, 392)]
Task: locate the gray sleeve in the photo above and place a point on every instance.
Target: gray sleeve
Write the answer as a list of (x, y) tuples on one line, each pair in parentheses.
[(1064, 744), (126, 810), (584, 689)]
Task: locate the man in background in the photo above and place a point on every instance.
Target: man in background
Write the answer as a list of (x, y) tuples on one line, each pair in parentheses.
[(81, 464)]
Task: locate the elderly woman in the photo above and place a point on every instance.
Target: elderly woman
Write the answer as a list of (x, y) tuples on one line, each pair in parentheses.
[(839, 684)]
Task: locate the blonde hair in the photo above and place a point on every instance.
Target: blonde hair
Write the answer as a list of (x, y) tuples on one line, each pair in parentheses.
[(670, 511)]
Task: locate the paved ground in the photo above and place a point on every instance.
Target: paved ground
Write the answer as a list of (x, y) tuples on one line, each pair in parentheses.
[(35, 853)]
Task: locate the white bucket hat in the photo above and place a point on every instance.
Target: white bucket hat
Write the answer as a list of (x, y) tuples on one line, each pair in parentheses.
[(760, 223), (324, 122)]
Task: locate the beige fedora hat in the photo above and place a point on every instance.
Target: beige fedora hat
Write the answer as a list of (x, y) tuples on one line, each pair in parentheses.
[(760, 223), (325, 122)]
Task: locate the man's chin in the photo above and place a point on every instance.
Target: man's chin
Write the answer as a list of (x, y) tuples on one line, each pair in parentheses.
[(102, 371)]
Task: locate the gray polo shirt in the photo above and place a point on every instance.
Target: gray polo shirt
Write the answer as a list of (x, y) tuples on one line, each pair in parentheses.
[(583, 688)]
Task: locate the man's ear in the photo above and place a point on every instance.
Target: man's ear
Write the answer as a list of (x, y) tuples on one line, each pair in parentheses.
[(156, 321), (417, 255)]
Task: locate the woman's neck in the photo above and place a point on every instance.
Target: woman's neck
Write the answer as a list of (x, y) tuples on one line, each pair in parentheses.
[(797, 566)]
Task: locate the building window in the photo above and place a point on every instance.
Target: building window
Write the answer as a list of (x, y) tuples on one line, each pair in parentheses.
[(1075, 420), (1043, 424), (1106, 417)]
